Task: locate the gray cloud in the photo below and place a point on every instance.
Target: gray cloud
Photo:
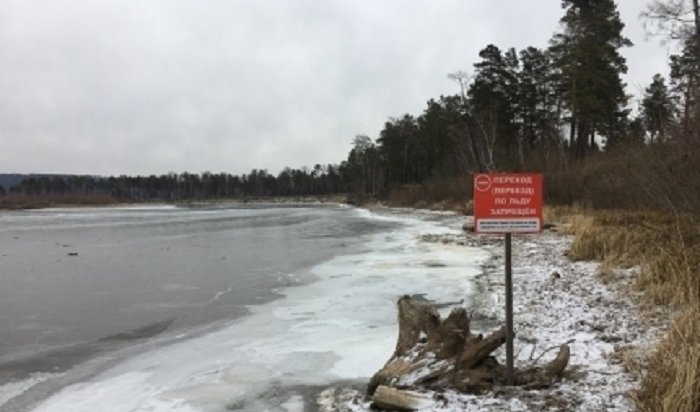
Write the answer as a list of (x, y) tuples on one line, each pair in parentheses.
[(128, 86)]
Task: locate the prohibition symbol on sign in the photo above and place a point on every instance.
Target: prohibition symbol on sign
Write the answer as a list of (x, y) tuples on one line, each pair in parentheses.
[(483, 183)]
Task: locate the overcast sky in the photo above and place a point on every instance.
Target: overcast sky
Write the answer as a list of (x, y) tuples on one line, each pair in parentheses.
[(141, 87)]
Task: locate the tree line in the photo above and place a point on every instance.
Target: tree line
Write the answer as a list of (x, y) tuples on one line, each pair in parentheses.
[(544, 109), (536, 109), (184, 186)]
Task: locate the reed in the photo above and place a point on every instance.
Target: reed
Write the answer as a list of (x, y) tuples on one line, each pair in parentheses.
[(666, 247)]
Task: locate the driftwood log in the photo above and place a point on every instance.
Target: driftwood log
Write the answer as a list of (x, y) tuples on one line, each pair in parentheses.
[(436, 353), (401, 400)]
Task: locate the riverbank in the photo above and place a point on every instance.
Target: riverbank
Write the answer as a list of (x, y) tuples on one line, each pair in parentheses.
[(613, 319), (665, 250), (24, 202), (556, 301)]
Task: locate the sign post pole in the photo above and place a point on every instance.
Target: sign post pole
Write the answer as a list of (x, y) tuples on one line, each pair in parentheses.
[(509, 313), (507, 203)]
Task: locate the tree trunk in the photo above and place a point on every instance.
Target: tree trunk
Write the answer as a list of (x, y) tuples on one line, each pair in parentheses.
[(696, 14), (581, 139), (572, 135)]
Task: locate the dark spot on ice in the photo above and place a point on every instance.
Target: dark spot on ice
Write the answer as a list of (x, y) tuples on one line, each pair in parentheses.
[(236, 405), (143, 332), (434, 264)]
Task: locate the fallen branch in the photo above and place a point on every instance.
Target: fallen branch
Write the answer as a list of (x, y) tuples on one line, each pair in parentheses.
[(401, 400), (435, 353)]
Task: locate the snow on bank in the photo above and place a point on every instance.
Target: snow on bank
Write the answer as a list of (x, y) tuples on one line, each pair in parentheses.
[(556, 301), (338, 328)]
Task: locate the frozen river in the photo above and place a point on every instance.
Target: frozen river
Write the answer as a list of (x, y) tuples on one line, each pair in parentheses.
[(249, 307)]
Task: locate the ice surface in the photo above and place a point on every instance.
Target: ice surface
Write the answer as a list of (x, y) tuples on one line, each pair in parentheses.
[(115, 395), (341, 327), (294, 404), (12, 389)]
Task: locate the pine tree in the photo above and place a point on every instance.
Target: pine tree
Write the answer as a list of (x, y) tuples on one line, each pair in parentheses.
[(657, 108), (685, 69), (537, 98), (434, 126), (587, 57), (399, 147), (492, 98)]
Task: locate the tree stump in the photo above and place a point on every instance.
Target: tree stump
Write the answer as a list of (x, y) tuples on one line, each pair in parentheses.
[(435, 353)]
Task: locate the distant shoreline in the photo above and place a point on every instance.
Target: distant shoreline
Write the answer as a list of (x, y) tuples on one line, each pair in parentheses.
[(23, 202)]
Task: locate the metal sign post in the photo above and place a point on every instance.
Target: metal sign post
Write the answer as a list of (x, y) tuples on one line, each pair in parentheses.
[(509, 313), (507, 204)]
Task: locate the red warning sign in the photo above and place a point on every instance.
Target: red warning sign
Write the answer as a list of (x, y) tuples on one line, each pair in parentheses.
[(508, 203)]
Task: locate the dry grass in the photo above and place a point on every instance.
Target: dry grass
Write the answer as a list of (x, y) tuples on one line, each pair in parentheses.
[(673, 274), (563, 214), (453, 193), (626, 238), (615, 238), (606, 273), (633, 358), (667, 249), (672, 379)]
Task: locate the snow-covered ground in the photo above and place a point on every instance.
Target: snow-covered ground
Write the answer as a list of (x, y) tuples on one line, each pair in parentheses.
[(556, 301), (316, 347)]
